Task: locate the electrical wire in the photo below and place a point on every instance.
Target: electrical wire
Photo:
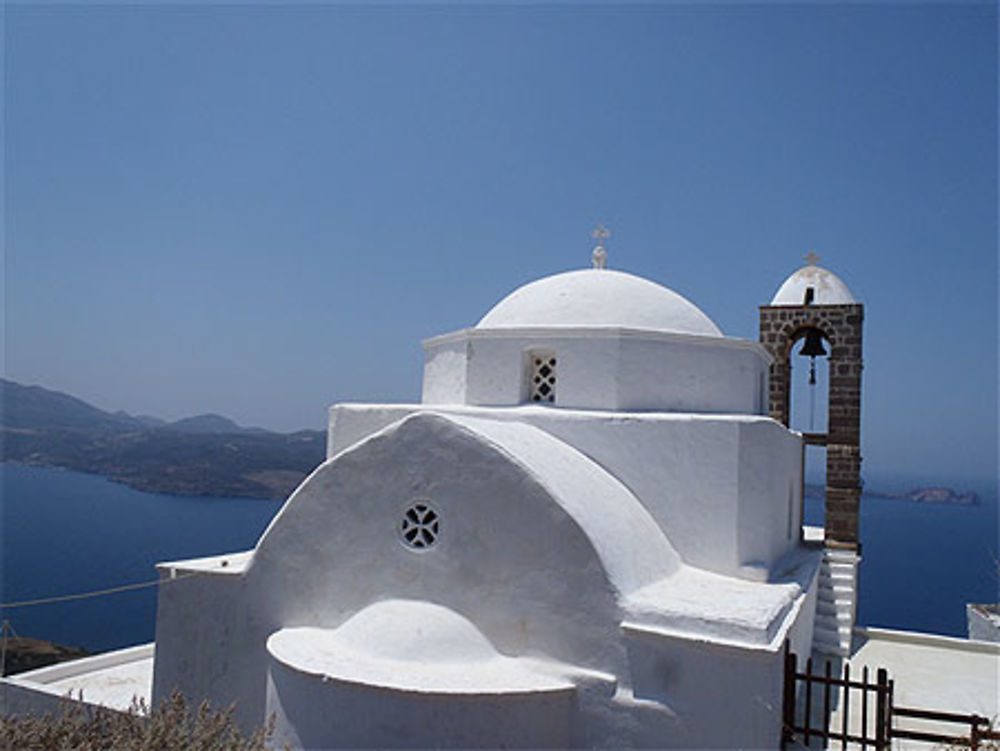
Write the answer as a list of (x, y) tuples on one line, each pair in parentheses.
[(94, 593)]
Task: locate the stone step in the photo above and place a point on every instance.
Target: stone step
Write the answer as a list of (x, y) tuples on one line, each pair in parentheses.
[(841, 591), (826, 631), (839, 568), (839, 609), (836, 594), (839, 637), (837, 632), (835, 616), (836, 577), (840, 556), (843, 612), (828, 611), (834, 650), (831, 648)]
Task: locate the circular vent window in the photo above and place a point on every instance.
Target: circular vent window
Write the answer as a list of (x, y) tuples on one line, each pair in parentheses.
[(420, 525)]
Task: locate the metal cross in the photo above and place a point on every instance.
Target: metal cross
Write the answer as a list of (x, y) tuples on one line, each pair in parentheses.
[(812, 258), (600, 234)]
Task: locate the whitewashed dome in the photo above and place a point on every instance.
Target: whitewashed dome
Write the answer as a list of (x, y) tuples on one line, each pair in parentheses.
[(409, 646), (827, 288), (598, 298)]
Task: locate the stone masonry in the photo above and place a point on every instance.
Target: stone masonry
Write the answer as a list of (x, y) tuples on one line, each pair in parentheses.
[(780, 327)]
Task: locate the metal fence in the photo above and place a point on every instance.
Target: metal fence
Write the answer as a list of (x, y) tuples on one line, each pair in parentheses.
[(823, 709)]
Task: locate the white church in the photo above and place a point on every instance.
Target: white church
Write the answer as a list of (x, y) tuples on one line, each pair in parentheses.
[(587, 534)]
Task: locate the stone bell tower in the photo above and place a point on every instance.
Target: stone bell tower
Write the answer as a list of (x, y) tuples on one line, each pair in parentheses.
[(814, 301), (814, 304)]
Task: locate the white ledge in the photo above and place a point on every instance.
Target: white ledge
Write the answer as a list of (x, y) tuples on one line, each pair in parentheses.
[(596, 332), (929, 640), (227, 564)]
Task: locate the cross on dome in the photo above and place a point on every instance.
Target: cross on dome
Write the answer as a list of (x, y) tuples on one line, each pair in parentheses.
[(812, 259), (600, 254)]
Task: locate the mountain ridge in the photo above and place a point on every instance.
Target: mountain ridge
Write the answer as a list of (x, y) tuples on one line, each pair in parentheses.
[(203, 455), (36, 406)]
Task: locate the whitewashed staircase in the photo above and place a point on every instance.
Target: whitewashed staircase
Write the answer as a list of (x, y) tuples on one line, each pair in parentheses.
[(836, 602)]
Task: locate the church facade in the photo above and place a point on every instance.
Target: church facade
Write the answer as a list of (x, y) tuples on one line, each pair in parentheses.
[(587, 533)]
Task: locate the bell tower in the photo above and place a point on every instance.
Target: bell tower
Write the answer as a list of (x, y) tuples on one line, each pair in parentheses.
[(816, 305), (813, 304)]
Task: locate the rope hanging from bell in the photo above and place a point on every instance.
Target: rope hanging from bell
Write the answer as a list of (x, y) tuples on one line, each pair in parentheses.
[(812, 349)]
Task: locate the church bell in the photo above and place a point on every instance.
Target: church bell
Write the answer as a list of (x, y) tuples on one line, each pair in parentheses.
[(812, 349), (814, 344)]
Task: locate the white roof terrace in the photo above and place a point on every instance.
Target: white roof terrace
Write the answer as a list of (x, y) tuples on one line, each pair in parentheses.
[(109, 680)]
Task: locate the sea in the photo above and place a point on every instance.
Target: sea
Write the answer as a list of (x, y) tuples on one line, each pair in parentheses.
[(65, 533)]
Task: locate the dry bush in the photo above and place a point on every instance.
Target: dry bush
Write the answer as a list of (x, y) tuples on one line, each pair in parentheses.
[(169, 727)]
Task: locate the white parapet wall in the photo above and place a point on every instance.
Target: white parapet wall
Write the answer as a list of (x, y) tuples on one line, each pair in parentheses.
[(110, 680)]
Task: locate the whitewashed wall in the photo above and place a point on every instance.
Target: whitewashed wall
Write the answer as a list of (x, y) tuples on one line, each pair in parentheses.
[(611, 369), (534, 577), (722, 488), (539, 558)]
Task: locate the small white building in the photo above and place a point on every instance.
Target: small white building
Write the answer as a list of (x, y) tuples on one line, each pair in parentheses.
[(587, 533)]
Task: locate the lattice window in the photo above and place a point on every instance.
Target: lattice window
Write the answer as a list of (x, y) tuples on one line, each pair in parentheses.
[(420, 525), (542, 387)]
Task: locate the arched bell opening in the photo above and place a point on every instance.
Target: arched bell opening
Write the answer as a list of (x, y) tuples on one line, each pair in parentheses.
[(809, 380), (809, 351)]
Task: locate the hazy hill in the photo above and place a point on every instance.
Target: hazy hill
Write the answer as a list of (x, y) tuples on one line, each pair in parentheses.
[(203, 455), (147, 420), (35, 407), (208, 424)]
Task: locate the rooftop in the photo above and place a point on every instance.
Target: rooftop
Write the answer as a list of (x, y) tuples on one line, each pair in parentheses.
[(110, 680), (598, 298), (826, 288)]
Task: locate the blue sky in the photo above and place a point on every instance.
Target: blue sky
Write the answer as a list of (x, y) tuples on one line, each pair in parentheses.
[(259, 210)]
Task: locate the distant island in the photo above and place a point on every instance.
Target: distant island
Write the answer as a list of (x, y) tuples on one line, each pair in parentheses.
[(934, 494), (206, 455)]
